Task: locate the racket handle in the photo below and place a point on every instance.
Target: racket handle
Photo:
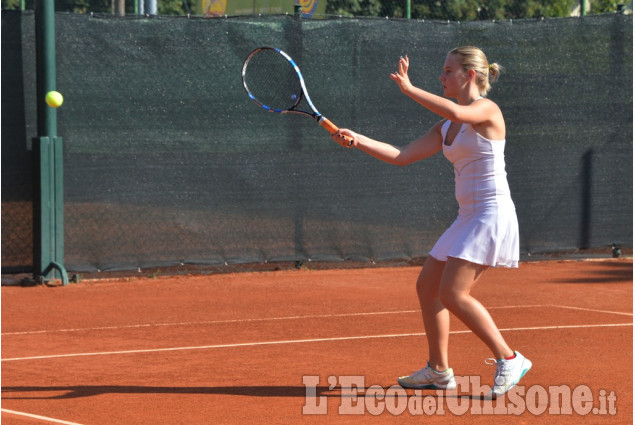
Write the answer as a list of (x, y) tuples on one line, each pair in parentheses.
[(332, 129)]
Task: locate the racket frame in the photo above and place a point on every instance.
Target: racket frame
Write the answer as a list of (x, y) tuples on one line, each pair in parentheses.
[(319, 118)]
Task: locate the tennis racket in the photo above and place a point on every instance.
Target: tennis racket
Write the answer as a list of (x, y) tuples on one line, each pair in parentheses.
[(274, 82)]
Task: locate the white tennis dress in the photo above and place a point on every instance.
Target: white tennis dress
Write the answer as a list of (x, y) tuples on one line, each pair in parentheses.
[(486, 230)]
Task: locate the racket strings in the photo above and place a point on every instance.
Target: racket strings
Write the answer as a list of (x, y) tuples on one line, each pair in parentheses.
[(272, 80)]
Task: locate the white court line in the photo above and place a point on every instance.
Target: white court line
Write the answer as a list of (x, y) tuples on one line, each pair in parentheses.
[(299, 341), (266, 319), (213, 322), (228, 321), (42, 418), (594, 310)]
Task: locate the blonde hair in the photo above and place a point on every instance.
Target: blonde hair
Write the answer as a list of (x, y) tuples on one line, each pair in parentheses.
[(471, 57)]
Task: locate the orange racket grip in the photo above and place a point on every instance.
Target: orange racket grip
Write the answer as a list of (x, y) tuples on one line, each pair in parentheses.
[(332, 129)]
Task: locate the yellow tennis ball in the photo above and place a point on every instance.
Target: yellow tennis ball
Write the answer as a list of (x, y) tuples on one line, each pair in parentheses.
[(54, 99)]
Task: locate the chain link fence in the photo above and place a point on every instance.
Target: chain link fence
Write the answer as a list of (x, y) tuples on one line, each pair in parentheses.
[(446, 10), (17, 170)]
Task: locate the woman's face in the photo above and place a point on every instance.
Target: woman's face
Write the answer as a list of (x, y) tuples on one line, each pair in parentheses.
[(453, 78)]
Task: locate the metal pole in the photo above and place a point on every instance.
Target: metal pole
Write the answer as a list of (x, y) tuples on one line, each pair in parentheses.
[(583, 7), (151, 7), (46, 74), (408, 7), (48, 228)]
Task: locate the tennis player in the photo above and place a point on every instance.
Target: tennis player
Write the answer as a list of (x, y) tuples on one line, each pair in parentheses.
[(485, 233)]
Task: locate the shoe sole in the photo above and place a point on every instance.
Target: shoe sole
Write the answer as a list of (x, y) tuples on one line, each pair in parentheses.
[(426, 387)]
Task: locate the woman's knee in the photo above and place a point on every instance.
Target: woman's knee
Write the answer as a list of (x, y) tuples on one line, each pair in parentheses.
[(429, 279), (449, 298), (425, 289), (457, 282)]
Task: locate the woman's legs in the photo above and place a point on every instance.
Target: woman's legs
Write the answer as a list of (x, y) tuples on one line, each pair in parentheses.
[(436, 318), (458, 279), (445, 287)]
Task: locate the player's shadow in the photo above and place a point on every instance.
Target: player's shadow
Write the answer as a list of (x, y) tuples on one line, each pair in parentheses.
[(69, 392), (608, 273), (301, 391)]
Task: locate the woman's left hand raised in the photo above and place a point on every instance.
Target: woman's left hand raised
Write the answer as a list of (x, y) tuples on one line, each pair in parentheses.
[(401, 76)]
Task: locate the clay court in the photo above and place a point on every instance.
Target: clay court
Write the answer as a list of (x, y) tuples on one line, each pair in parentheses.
[(314, 346)]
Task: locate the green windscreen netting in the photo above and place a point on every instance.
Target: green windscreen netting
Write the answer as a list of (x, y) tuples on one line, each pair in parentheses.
[(167, 161)]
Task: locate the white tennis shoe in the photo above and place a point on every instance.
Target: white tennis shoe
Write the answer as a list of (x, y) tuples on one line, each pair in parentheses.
[(508, 373), (428, 378)]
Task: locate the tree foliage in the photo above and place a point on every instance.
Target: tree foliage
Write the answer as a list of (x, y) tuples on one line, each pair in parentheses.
[(165, 7), (458, 10), (453, 10)]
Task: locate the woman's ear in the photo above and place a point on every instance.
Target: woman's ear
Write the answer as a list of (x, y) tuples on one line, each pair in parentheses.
[(471, 74)]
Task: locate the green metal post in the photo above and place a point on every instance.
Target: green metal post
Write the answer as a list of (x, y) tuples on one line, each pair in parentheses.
[(583, 7), (48, 155), (408, 6)]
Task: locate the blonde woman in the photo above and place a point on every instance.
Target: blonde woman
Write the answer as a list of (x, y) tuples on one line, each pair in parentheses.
[(485, 233)]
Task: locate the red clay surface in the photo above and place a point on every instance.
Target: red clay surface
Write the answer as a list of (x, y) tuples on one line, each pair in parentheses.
[(234, 349)]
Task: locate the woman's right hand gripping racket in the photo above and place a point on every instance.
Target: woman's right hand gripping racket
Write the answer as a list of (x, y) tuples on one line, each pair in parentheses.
[(274, 82)]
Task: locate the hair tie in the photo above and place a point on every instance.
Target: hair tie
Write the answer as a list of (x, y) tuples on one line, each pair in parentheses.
[(491, 67)]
